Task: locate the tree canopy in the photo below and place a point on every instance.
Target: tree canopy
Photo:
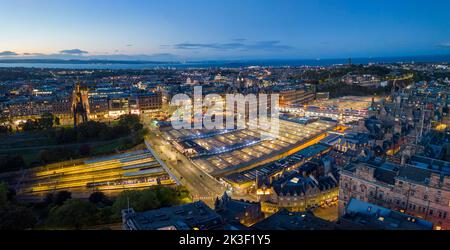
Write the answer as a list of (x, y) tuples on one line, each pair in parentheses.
[(73, 214)]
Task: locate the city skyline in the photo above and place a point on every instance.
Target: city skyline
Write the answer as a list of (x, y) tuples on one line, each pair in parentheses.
[(209, 30), (238, 117)]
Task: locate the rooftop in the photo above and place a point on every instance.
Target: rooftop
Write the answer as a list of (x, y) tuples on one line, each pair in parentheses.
[(196, 215), (274, 167), (297, 183), (388, 172), (285, 220), (370, 216)]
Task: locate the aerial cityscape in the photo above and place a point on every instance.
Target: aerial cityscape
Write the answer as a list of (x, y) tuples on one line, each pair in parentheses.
[(173, 130)]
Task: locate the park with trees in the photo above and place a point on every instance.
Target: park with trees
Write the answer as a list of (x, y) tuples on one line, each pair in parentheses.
[(42, 141)]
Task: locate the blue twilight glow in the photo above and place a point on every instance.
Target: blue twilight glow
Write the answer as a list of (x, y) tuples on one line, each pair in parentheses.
[(223, 29)]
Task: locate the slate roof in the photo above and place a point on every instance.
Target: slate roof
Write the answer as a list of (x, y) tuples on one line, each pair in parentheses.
[(371, 216), (385, 175), (284, 220), (187, 216), (297, 184), (415, 174)]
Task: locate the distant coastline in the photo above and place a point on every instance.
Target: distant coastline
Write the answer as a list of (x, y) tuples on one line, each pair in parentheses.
[(140, 64)]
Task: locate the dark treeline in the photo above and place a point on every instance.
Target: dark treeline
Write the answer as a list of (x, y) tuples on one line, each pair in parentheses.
[(338, 90), (5, 129), (94, 131), (10, 162), (128, 128), (127, 131), (320, 76), (47, 121), (88, 131)]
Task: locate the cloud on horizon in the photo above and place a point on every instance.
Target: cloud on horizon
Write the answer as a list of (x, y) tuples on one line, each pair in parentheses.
[(445, 45), (33, 54), (8, 53), (73, 52), (237, 44)]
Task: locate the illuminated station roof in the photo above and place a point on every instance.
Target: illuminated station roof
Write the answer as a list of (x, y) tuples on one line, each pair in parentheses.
[(229, 150)]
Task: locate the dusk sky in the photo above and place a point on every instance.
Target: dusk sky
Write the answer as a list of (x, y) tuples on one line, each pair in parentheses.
[(219, 29)]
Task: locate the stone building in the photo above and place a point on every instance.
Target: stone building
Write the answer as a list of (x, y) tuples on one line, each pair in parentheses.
[(296, 96), (299, 191), (238, 212), (149, 102), (421, 190)]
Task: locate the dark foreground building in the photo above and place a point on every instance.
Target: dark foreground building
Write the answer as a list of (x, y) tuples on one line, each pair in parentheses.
[(285, 220), (363, 215), (192, 216)]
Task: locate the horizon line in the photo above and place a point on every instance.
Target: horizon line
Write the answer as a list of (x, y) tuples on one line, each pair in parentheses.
[(137, 60)]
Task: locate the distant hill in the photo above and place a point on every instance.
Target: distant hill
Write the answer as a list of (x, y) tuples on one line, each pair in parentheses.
[(80, 61)]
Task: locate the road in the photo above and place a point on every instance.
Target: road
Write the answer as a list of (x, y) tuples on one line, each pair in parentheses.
[(327, 213), (202, 186)]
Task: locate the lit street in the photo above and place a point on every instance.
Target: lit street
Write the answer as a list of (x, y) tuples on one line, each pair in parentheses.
[(201, 185)]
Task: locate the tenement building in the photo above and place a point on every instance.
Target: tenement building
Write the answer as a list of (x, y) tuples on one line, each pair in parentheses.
[(421, 190), (298, 191), (149, 102), (296, 96), (238, 213)]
